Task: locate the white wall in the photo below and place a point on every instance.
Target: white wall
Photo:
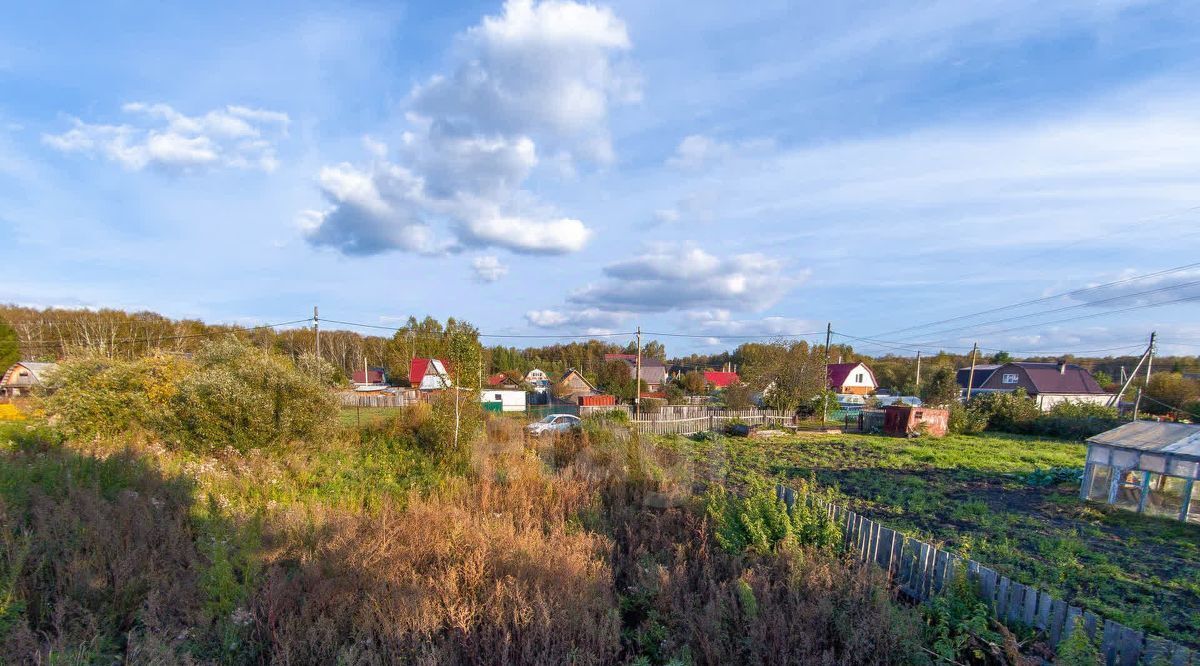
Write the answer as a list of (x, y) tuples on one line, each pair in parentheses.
[(1046, 401), (510, 401), (852, 379)]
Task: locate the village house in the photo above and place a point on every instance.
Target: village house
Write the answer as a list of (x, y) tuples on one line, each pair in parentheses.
[(654, 371), (1047, 383), (369, 377), (538, 379), (502, 400), (23, 377), (429, 374), (851, 378), (717, 379), (501, 380)]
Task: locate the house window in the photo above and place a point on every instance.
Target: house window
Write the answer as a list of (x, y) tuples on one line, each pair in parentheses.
[(1010, 378), (858, 377), (499, 397)]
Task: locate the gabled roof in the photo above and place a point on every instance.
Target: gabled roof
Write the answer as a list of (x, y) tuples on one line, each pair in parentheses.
[(1050, 378), (721, 379), (578, 374), (419, 367), (1175, 438), (982, 374), (839, 372)]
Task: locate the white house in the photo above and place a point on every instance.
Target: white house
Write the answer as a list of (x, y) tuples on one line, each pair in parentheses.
[(852, 378), (538, 379), (507, 399)]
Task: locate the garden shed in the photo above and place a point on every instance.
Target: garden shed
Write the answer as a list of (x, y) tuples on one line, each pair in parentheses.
[(1148, 467)]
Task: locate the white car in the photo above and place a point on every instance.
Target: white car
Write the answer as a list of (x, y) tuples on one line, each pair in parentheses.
[(553, 423)]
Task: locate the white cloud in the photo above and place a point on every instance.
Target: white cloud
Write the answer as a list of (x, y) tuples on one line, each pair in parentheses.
[(164, 138), (488, 268), (1152, 290), (698, 151), (539, 75), (681, 276), (589, 320), (722, 323)]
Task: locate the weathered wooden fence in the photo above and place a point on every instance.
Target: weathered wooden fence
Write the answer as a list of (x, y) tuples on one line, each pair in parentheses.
[(921, 571), (716, 420), (397, 399)]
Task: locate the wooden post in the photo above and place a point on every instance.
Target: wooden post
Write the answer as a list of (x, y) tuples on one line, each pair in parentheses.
[(637, 379), (825, 383), (971, 376)]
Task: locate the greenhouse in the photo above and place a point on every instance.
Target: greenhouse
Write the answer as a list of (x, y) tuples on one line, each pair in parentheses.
[(1148, 467)]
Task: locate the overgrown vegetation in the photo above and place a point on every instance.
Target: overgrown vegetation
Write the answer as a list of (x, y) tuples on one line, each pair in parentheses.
[(1019, 414), (1009, 501), (386, 543)]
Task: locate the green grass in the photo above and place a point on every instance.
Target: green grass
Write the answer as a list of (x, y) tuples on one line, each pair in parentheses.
[(354, 416), (968, 493)]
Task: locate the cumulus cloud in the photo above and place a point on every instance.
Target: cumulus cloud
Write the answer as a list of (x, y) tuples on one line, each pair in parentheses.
[(488, 268), (159, 136), (681, 276), (719, 323), (589, 320), (538, 78)]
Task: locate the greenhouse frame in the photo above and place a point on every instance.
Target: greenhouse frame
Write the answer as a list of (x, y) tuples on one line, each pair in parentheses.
[(1147, 467)]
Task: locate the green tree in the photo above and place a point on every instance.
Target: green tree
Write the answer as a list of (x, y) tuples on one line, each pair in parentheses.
[(1001, 357), (694, 383), (1169, 391), (10, 346), (466, 359), (940, 388)]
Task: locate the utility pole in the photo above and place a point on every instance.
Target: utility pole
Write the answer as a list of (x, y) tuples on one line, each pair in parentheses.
[(825, 383), (1146, 385), (637, 378), (317, 330), (1128, 378), (918, 371), (971, 376)]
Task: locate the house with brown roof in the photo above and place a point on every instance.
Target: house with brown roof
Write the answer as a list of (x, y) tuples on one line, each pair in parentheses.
[(852, 378), (1047, 383), (654, 371)]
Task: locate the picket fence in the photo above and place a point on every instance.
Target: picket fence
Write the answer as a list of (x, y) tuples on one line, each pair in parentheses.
[(921, 571), (713, 420)]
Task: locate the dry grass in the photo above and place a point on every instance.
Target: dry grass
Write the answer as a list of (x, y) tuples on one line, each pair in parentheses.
[(542, 552)]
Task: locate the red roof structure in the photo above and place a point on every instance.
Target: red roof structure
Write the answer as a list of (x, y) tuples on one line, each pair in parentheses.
[(497, 379), (419, 367), (721, 379)]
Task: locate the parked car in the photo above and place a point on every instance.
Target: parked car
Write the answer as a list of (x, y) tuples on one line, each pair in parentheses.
[(553, 423)]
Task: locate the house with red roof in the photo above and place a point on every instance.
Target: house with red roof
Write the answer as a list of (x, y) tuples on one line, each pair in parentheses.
[(852, 378), (717, 379), (429, 374)]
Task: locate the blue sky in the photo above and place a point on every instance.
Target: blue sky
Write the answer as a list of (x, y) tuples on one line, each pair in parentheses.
[(551, 168)]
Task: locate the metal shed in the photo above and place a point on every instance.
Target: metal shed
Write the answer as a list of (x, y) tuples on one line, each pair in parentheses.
[(1148, 467)]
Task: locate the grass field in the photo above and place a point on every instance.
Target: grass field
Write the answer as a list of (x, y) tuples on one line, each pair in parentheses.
[(971, 493), (355, 416)]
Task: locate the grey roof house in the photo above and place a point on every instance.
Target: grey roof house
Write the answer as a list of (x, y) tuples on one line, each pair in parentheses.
[(23, 377)]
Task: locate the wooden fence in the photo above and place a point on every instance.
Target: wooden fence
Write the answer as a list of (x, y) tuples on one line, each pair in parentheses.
[(921, 571), (403, 398)]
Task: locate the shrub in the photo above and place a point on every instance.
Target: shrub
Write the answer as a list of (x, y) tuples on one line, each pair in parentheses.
[(964, 421), (228, 395), (1078, 649), (758, 521)]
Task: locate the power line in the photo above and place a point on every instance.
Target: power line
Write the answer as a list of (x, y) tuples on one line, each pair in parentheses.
[(1169, 406), (1043, 299), (719, 336), (1065, 308), (892, 344), (490, 335)]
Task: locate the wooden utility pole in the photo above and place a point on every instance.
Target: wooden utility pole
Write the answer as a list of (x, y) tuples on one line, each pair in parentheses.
[(825, 382), (317, 330), (637, 378), (971, 376), (1128, 378), (918, 371)]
